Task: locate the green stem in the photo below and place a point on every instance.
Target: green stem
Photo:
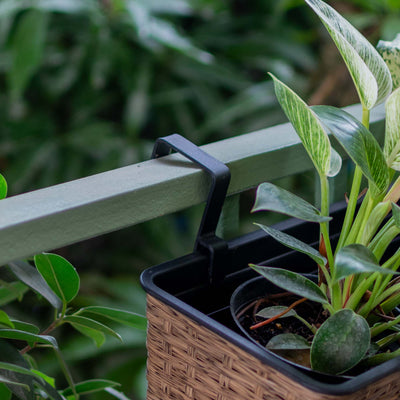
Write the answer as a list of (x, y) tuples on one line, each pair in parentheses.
[(313, 329), (376, 330), (66, 373)]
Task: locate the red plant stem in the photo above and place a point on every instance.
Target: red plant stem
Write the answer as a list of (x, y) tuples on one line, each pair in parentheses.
[(267, 321), (348, 291)]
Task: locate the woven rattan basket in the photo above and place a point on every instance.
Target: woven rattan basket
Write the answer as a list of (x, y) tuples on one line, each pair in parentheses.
[(195, 350)]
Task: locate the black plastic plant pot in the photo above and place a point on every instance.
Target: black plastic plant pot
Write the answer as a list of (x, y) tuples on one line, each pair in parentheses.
[(195, 348)]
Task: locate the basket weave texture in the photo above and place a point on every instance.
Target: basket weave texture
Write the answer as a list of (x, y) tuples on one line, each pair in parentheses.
[(187, 361)]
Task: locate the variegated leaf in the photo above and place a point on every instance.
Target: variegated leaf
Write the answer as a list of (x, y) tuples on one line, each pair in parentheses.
[(307, 126), (390, 52), (391, 149), (359, 143), (370, 73)]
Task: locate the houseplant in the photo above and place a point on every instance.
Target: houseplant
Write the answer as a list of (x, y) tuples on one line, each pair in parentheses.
[(53, 280), (357, 285)]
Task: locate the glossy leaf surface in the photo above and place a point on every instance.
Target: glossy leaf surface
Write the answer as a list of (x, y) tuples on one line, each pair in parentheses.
[(288, 341), (340, 343), (392, 136), (357, 259), (370, 74), (272, 198), (359, 143), (59, 274), (28, 337), (307, 126), (292, 282), (32, 278), (390, 52), (294, 244)]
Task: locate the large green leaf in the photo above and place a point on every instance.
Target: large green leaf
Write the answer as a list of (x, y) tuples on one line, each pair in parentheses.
[(5, 393), (340, 343), (392, 134), (76, 320), (28, 337), (370, 73), (31, 277), (26, 49), (59, 274), (307, 126), (292, 282), (5, 320), (390, 52), (272, 198), (359, 143), (294, 244), (123, 317), (94, 334), (357, 259), (288, 341), (3, 187)]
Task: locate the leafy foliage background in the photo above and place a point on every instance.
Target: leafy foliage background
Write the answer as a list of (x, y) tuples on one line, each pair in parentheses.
[(86, 86)]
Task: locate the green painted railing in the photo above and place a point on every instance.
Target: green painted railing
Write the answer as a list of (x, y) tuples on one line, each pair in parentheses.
[(56, 216)]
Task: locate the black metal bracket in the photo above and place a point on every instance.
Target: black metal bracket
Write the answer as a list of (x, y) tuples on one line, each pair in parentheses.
[(206, 242)]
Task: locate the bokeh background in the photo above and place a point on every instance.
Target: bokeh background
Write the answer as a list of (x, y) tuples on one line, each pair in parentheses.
[(87, 85)]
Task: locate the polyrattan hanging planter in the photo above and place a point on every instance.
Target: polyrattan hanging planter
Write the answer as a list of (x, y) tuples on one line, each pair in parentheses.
[(195, 350)]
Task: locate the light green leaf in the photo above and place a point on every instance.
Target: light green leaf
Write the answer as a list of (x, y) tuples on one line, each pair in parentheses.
[(85, 322), (390, 52), (272, 198), (31, 277), (3, 187), (359, 143), (5, 319), (90, 386), (288, 341), (123, 317), (340, 343), (59, 274), (27, 47), (370, 73), (357, 259), (307, 126), (270, 312), (28, 337), (292, 282), (392, 135), (294, 244), (396, 214), (51, 381), (97, 336)]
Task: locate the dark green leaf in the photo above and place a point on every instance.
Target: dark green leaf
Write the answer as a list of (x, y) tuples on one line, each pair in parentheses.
[(294, 244), (340, 343), (59, 274), (77, 320), (357, 259), (26, 49), (3, 187), (358, 142), (270, 312), (31, 277), (25, 326), (90, 386), (8, 381), (28, 337), (5, 393), (292, 282), (288, 341), (124, 317), (5, 320), (272, 198), (17, 368)]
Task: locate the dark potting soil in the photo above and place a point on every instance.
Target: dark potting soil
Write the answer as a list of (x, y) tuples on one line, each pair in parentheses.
[(310, 311)]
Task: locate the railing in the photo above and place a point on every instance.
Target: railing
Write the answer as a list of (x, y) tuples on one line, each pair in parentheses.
[(50, 218)]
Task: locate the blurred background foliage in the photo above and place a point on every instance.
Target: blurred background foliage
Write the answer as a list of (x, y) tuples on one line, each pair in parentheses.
[(87, 85)]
